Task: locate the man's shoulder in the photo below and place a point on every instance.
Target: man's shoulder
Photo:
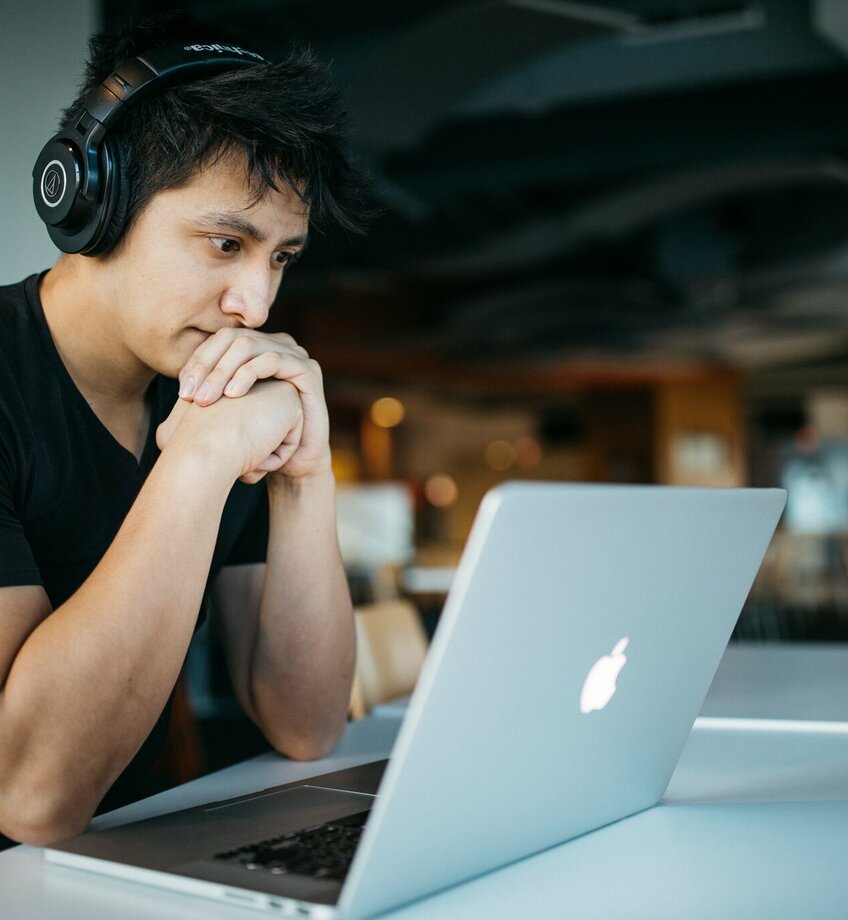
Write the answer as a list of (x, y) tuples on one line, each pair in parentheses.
[(17, 316), (19, 324), (23, 359), (14, 296)]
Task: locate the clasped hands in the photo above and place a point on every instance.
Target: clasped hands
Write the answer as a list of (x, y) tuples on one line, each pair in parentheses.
[(228, 365)]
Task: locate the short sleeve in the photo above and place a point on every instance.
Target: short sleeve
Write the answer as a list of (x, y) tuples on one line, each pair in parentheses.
[(17, 563)]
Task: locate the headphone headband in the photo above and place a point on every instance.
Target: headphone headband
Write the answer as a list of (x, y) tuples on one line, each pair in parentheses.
[(76, 177), (140, 76)]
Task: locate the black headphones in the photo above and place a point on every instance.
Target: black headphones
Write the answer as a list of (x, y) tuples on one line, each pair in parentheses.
[(78, 179)]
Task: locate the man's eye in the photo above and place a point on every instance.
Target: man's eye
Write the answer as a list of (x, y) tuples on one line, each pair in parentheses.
[(224, 244), (287, 258)]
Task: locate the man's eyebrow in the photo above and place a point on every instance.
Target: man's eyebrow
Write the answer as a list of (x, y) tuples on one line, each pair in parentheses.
[(233, 223)]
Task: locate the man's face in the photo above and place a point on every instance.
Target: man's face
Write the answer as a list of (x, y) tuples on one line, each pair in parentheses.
[(200, 258)]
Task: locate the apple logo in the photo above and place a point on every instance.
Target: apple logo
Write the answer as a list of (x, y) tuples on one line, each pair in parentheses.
[(599, 686)]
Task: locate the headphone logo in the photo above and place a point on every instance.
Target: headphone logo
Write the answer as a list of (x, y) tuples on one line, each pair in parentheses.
[(222, 49), (53, 182)]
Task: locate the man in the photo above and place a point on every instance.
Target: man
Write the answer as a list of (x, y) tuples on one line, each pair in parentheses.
[(119, 501)]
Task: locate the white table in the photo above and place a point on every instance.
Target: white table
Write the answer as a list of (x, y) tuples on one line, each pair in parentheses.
[(754, 823)]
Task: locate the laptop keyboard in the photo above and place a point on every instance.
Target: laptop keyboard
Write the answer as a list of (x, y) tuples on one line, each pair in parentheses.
[(325, 851)]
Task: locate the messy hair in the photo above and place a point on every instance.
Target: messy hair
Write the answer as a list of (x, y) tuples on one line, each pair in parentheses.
[(284, 118)]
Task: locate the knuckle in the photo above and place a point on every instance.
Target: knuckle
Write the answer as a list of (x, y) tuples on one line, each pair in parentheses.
[(246, 374), (242, 346), (218, 374)]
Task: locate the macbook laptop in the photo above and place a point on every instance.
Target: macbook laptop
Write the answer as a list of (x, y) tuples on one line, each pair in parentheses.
[(575, 649)]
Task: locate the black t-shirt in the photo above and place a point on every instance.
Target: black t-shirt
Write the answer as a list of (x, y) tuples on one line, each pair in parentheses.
[(66, 484)]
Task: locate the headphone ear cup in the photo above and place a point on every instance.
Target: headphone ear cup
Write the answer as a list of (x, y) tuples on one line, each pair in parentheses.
[(115, 199)]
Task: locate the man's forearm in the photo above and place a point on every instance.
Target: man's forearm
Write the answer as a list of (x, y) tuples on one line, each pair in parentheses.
[(90, 681), (304, 653)]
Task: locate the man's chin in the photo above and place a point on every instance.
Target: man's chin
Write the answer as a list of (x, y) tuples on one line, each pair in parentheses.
[(172, 365), (188, 342)]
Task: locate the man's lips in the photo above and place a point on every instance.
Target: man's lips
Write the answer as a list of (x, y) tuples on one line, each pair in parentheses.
[(207, 331)]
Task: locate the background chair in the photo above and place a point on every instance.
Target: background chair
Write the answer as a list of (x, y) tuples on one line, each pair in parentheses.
[(391, 647)]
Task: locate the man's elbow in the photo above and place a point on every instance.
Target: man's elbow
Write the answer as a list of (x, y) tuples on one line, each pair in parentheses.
[(37, 821), (312, 745)]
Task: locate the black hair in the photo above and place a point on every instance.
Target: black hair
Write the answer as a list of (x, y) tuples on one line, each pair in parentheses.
[(285, 118)]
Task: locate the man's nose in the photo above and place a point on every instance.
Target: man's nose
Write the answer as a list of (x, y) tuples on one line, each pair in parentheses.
[(248, 297)]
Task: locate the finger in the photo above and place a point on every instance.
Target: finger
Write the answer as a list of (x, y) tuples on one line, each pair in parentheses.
[(211, 386), (203, 359), (209, 352), (301, 372), (244, 342), (279, 457), (282, 454), (243, 379), (264, 367), (295, 435), (286, 451), (252, 477), (242, 351), (214, 348), (240, 355), (272, 463), (285, 339)]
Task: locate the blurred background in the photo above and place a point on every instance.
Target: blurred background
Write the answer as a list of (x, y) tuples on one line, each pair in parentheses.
[(612, 246)]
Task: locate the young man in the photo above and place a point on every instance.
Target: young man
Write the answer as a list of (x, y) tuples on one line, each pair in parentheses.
[(120, 502)]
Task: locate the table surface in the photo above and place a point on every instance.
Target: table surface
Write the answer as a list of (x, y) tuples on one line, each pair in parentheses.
[(753, 823)]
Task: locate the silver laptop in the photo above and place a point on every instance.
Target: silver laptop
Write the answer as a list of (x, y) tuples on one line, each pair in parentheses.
[(574, 652)]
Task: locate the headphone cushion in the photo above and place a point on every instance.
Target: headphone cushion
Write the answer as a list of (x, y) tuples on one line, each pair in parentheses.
[(115, 199)]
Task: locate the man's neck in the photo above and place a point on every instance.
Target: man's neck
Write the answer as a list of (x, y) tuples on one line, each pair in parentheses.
[(82, 321)]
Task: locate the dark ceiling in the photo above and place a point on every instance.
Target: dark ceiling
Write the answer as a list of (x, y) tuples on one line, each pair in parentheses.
[(662, 178)]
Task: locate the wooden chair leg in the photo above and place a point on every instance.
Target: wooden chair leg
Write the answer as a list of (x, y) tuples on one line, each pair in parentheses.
[(182, 758)]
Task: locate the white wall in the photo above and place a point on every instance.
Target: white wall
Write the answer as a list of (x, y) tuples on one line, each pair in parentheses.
[(42, 47)]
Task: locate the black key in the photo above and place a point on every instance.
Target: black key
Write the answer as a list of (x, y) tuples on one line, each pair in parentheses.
[(323, 851)]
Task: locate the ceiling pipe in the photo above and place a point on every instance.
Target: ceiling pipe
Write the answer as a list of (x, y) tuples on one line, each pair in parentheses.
[(830, 21)]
